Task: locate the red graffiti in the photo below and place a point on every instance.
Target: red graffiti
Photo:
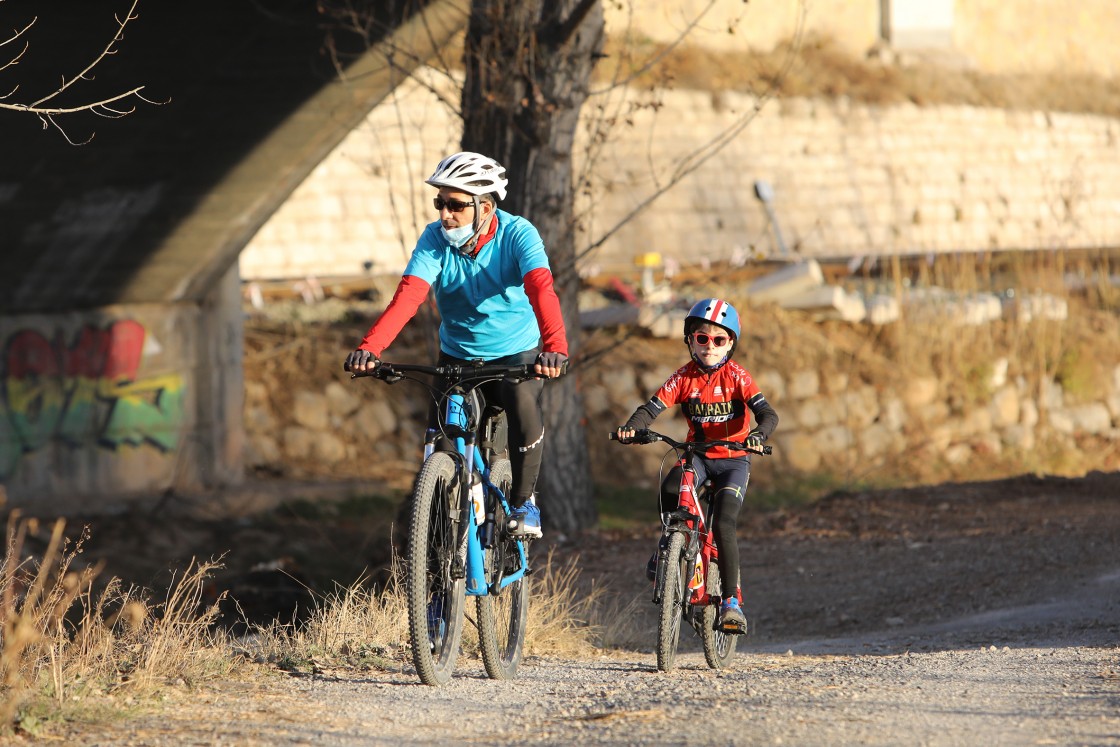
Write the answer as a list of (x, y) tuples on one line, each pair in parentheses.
[(29, 355), (113, 353)]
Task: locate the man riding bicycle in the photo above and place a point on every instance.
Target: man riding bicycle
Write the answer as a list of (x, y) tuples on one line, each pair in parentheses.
[(717, 396), (494, 290)]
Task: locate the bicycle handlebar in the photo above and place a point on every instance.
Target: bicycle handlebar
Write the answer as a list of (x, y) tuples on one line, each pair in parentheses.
[(395, 371), (643, 436)]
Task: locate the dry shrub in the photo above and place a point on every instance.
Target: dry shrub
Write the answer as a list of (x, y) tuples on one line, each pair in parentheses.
[(352, 626), (361, 628), (560, 617), (817, 67), (567, 618), (1075, 351), (65, 648), (620, 624)]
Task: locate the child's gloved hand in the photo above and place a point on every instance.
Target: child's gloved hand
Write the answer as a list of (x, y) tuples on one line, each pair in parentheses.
[(625, 435)]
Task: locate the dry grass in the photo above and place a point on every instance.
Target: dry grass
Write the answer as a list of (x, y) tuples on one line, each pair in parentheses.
[(1079, 353), (355, 626), (561, 620), (360, 628), (817, 67), (68, 652), (1039, 350)]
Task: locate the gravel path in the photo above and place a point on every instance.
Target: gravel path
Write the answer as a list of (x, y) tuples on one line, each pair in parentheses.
[(1047, 673), (980, 614)]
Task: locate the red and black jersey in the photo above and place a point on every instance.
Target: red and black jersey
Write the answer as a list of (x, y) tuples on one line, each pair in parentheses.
[(717, 405)]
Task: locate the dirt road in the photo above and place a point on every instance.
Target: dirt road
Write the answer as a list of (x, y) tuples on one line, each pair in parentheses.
[(984, 613), (1042, 674)]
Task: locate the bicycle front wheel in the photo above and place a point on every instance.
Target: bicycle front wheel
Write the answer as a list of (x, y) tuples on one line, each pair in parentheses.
[(436, 584), (673, 600), (719, 646), (503, 612)]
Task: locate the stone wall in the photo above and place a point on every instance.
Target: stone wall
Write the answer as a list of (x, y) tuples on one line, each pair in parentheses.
[(840, 426), (848, 180), (849, 425)]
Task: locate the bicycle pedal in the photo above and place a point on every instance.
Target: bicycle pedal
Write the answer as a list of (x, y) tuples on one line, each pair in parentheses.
[(732, 628)]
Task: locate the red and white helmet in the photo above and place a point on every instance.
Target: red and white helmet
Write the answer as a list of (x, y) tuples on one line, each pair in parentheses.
[(718, 312), (714, 311), (472, 173)]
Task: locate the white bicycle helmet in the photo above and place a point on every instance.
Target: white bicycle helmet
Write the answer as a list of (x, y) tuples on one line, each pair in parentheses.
[(472, 173)]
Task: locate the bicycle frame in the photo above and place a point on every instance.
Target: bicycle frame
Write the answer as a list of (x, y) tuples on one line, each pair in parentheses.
[(476, 522), (458, 543), (690, 517)]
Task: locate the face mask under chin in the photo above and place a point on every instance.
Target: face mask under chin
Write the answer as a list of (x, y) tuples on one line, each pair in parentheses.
[(458, 236)]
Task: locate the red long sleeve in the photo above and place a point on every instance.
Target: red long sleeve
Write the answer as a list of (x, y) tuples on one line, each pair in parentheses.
[(546, 306), (411, 292)]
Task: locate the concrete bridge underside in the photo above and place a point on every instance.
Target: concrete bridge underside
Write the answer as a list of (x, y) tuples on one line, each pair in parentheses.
[(121, 322)]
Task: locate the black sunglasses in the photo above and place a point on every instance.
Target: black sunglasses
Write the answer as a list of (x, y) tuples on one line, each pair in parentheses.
[(454, 206)]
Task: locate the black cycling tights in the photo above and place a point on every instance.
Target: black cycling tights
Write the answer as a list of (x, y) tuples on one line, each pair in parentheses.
[(729, 478), (522, 403)]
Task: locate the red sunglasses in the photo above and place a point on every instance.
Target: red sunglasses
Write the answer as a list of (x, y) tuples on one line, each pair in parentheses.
[(703, 339)]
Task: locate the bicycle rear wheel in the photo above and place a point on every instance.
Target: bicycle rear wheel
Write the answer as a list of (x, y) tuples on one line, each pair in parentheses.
[(435, 592), (719, 646), (673, 600)]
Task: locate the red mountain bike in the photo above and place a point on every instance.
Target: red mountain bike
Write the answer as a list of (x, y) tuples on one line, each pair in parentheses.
[(687, 584)]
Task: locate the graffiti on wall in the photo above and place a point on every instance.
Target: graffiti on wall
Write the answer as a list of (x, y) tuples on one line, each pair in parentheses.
[(85, 392)]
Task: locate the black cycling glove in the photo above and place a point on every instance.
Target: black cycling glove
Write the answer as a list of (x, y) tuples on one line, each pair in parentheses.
[(360, 358), (554, 360)]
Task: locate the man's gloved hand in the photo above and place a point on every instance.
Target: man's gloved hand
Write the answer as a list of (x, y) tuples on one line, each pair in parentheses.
[(625, 435), (755, 440), (551, 365), (361, 361)]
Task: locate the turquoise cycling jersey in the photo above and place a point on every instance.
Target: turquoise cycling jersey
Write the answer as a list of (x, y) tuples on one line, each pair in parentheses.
[(482, 302)]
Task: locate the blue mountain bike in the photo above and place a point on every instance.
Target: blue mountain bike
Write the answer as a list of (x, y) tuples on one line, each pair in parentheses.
[(458, 543)]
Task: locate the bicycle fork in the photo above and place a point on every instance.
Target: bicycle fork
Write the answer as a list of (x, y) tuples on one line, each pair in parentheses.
[(692, 546), (476, 513)]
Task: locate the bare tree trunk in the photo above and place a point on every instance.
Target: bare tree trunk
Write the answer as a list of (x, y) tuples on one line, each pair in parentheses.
[(529, 65)]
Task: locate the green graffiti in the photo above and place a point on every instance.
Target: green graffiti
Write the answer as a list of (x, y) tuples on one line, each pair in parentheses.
[(85, 394), (79, 422), (35, 408), (149, 411)]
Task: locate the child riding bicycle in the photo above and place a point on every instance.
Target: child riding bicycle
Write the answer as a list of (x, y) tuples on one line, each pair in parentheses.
[(717, 396)]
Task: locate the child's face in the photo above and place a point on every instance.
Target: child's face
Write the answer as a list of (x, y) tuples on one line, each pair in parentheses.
[(709, 353)]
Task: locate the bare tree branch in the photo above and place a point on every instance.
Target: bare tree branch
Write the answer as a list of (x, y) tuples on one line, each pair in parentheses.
[(96, 107), (101, 107), (363, 22), (706, 151), (15, 37), (661, 54)]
